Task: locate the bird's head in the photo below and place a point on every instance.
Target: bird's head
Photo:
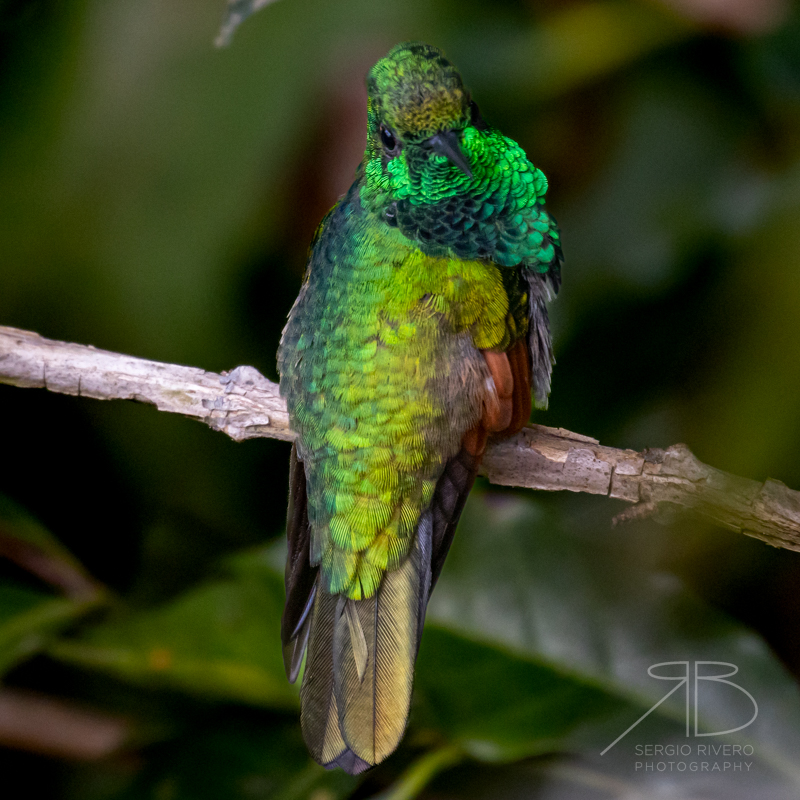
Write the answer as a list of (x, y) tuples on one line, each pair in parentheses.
[(421, 123)]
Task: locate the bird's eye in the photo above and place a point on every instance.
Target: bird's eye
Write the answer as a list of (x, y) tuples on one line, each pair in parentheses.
[(387, 139)]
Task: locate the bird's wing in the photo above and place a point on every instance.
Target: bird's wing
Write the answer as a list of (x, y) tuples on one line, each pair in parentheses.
[(511, 373), (300, 576), (543, 274)]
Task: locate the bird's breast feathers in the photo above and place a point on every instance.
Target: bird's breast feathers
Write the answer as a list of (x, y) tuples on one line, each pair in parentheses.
[(384, 379)]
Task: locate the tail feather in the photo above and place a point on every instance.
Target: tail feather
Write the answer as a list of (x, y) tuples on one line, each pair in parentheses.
[(350, 763), (358, 642), (356, 691), (295, 648), (319, 715), (373, 703)]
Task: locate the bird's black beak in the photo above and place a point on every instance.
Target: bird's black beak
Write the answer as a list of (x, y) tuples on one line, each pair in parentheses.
[(446, 143)]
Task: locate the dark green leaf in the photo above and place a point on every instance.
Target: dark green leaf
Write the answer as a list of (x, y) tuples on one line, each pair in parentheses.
[(31, 546), (29, 620), (221, 640), (247, 759), (541, 643)]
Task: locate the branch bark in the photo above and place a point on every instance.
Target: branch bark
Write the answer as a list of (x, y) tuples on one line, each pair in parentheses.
[(245, 405)]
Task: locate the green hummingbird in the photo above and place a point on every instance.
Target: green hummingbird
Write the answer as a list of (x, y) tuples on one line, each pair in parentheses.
[(419, 331)]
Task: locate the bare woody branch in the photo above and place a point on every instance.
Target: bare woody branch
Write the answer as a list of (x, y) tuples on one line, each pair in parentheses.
[(245, 405)]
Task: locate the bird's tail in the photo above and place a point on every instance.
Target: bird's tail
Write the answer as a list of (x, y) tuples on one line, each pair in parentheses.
[(359, 670)]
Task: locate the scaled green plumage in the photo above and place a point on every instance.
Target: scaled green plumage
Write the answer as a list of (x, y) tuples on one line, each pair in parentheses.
[(440, 250)]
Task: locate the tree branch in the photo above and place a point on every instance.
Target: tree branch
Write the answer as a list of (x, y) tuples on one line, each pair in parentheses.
[(245, 405), (242, 410)]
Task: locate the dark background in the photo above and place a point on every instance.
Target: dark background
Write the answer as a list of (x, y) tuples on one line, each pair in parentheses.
[(157, 196)]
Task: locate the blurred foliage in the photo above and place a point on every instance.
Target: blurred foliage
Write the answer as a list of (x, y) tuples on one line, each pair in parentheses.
[(157, 197)]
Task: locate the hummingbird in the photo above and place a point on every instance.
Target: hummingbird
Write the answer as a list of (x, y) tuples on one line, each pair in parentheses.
[(420, 331)]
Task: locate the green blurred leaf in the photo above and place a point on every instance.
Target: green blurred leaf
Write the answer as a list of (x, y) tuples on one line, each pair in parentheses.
[(221, 639), (15, 521), (568, 47), (540, 642), (588, 40), (573, 778), (241, 760), (421, 772), (29, 620), (30, 545)]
